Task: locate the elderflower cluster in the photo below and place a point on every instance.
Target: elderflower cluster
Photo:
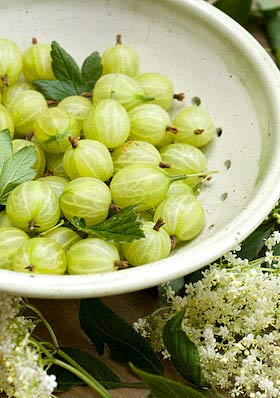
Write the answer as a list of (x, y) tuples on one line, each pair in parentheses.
[(21, 369), (233, 317)]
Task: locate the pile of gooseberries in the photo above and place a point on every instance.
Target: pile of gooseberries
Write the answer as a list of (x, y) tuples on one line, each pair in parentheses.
[(114, 148)]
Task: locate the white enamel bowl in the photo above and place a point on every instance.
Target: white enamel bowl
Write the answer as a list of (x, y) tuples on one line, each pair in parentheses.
[(207, 55)]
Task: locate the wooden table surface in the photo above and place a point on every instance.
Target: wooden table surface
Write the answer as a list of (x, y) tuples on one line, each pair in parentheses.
[(63, 316)]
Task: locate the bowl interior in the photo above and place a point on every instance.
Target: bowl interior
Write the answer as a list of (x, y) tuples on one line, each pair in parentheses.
[(206, 55)]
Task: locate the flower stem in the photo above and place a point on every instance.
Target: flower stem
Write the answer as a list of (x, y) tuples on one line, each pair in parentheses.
[(84, 376), (44, 321), (72, 366), (53, 228), (127, 384), (185, 176)]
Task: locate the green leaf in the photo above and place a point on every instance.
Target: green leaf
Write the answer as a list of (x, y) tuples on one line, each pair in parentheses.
[(272, 27), (65, 68), (183, 351), (212, 393), (121, 227), (267, 6), (161, 387), (54, 89), (277, 55), (6, 150), (103, 326), (91, 70), (236, 9), (195, 276), (59, 137), (101, 372), (252, 246), (69, 79), (15, 169), (176, 285), (276, 249)]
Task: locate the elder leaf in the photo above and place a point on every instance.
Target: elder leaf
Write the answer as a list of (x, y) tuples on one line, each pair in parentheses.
[(236, 9), (183, 351), (15, 169), (104, 326), (121, 227), (91, 70)]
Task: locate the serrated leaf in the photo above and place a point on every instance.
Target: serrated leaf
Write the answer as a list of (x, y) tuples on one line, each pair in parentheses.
[(183, 351), (104, 326), (236, 9), (6, 149), (54, 89), (161, 387), (96, 368), (61, 135), (65, 67), (91, 70), (121, 227), (79, 223), (16, 170), (69, 79)]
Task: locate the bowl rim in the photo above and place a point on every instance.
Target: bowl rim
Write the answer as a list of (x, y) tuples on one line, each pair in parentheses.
[(137, 278)]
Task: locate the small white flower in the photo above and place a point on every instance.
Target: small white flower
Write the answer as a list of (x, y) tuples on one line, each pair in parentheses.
[(268, 257), (165, 354), (140, 324), (277, 236), (232, 315), (268, 387), (21, 375)]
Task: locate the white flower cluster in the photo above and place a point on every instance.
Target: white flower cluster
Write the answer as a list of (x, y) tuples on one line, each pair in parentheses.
[(233, 317), (21, 371)]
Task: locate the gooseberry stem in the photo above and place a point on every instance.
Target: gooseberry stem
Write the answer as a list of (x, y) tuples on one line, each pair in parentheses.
[(173, 240), (31, 225), (86, 94), (29, 135), (4, 79), (185, 176), (52, 102), (198, 131), (158, 224), (179, 97), (53, 228), (164, 165), (121, 264), (119, 39), (145, 98), (171, 129), (114, 208), (74, 141)]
